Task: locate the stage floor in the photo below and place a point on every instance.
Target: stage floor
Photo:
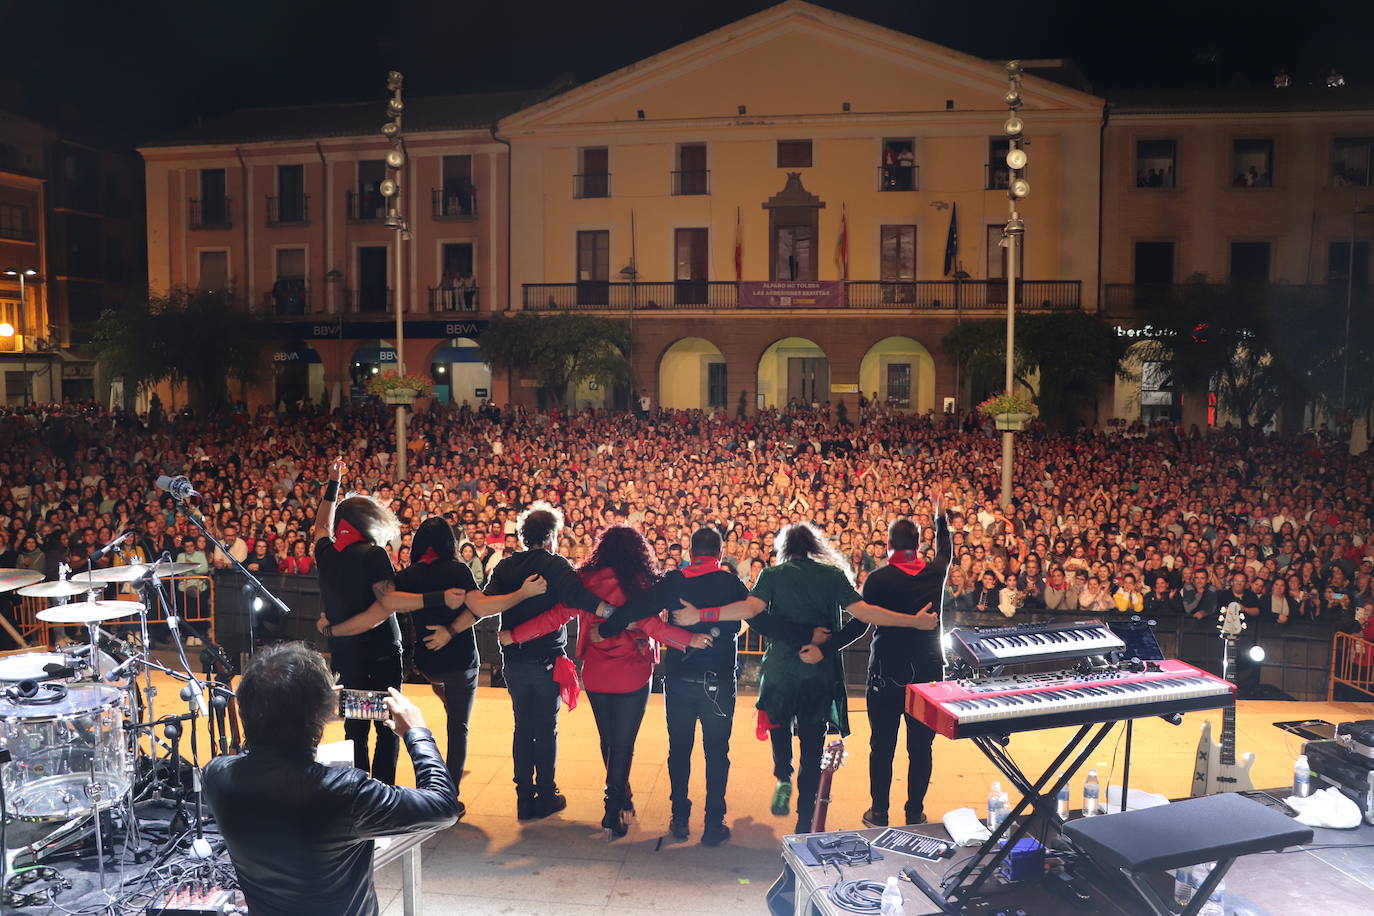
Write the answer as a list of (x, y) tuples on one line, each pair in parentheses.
[(491, 864)]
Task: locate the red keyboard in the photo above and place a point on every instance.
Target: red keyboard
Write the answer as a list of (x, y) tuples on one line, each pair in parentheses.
[(992, 706)]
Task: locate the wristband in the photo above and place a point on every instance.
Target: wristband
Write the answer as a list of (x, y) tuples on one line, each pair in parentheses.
[(710, 614), (331, 492), (329, 631)]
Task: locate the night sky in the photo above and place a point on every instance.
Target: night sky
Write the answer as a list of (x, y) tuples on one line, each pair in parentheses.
[(131, 70)]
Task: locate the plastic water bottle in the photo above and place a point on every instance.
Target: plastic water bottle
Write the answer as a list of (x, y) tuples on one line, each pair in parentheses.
[(995, 810), (1061, 805), (1184, 885), (1090, 794), (1302, 777), (892, 898)]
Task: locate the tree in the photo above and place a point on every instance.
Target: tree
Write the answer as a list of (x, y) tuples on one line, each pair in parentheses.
[(1073, 353), (200, 339), (561, 350)]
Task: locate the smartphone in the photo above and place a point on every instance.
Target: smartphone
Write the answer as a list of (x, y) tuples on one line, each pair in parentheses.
[(363, 704)]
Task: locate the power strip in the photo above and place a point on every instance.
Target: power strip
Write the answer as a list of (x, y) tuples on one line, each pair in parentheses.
[(198, 900)]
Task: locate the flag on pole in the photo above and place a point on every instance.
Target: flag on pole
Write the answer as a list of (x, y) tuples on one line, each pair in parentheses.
[(739, 249), (842, 248), (952, 242)]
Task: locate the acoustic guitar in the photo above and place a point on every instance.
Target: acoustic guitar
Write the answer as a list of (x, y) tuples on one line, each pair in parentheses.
[(781, 897)]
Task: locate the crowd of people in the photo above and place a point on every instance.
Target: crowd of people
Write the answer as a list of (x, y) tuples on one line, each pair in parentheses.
[(1132, 518)]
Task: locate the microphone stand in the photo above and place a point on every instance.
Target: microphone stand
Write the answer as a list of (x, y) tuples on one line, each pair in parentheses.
[(253, 582)]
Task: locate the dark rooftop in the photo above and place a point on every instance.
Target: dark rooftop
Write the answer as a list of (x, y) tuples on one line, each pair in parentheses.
[(1241, 100)]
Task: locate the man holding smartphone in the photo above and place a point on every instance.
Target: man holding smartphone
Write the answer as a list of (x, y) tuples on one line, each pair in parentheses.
[(300, 833)]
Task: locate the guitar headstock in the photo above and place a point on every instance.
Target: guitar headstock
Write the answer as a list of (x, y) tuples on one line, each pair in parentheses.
[(832, 758), (1232, 621)]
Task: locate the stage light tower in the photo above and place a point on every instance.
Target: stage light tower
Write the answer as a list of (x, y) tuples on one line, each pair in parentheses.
[(391, 190), (1017, 188)]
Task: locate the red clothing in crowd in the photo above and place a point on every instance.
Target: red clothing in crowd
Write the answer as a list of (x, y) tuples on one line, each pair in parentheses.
[(297, 566), (624, 662)]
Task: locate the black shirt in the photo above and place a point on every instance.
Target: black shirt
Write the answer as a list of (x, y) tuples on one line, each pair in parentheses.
[(565, 587), (712, 589), (346, 580), (461, 652)]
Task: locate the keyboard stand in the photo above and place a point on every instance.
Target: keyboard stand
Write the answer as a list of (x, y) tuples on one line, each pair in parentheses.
[(1037, 798)]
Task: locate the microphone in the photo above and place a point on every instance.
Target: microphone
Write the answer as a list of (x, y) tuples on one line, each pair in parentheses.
[(179, 487), (101, 553), (191, 695), (714, 632), (118, 670)]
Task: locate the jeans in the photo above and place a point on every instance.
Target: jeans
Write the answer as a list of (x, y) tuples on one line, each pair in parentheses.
[(685, 703), (458, 690), (618, 716), (886, 710), (373, 674), (812, 738), (534, 748)]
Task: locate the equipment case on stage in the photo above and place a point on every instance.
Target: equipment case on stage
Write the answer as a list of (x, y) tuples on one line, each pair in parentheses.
[(1357, 736), (1350, 771)]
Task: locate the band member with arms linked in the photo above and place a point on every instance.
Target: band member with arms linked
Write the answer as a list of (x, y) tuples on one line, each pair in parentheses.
[(300, 833), (800, 688)]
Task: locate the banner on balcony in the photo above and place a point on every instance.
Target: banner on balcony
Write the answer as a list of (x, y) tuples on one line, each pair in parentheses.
[(792, 294)]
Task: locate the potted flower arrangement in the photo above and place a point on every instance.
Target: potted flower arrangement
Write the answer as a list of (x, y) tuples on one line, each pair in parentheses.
[(394, 388), (1010, 410)]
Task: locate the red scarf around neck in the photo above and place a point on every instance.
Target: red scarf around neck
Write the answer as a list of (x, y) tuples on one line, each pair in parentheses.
[(700, 566), (345, 536), (908, 561), (428, 557)]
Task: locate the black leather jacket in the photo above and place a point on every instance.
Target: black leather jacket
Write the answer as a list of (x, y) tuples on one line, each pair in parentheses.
[(300, 833)]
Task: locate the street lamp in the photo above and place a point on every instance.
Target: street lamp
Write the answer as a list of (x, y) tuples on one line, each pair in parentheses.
[(23, 274), (1017, 188), (1355, 213), (391, 190)]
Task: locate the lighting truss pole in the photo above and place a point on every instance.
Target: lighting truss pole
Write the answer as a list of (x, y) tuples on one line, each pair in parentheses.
[(391, 190), (1017, 188)]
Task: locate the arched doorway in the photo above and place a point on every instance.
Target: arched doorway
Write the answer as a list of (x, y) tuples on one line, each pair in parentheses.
[(298, 373), (460, 373), (902, 373), (793, 369), (692, 376), (369, 359)]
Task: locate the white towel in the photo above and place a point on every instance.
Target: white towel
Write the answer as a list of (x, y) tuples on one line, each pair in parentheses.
[(965, 828), (1326, 808), (1136, 799)]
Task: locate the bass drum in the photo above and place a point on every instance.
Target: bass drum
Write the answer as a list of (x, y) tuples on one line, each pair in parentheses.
[(68, 752)]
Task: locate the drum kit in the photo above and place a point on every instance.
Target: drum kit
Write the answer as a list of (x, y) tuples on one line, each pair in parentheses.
[(78, 733)]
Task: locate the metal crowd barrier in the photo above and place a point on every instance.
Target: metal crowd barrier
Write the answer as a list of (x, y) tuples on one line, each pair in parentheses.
[(192, 598), (1352, 667)]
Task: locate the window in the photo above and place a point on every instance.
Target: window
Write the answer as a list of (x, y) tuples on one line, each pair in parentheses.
[(458, 197), (897, 263), (214, 271), (1338, 268), (289, 290), (717, 386), (458, 286), (897, 172), (1351, 161), (998, 172), (794, 154), (691, 175), (289, 206), (1252, 163), (899, 385), (690, 266), (12, 315), (82, 245), (373, 293), (1157, 401), (214, 203), (14, 222), (593, 178), (1249, 262), (367, 201), (594, 267), (1154, 273), (1154, 163)]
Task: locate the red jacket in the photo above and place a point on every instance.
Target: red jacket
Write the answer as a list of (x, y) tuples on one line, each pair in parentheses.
[(621, 664)]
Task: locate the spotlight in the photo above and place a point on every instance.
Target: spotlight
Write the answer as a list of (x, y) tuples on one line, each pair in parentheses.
[(394, 79), (443, 369), (257, 603), (1012, 98), (1013, 126), (1016, 158), (394, 108), (6, 329), (395, 159), (374, 370), (1256, 653), (1013, 67), (1019, 188), (387, 187), (389, 129)]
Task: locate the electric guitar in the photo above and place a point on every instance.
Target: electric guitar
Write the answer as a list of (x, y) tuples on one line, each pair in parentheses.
[(1217, 770), (782, 895)]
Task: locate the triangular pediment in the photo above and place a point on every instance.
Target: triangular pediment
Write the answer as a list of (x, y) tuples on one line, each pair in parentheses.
[(795, 60)]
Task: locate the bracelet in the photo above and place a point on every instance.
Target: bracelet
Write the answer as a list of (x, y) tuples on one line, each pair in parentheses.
[(329, 631), (710, 614), (331, 492)]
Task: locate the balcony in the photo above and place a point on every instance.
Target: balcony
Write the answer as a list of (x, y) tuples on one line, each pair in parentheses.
[(454, 204), (368, 300), (454, 299), (289, 211), (697, 295), (592, 184), (289, 296), (899, 178), (692, 183), (366, 207), (210, 213), (1131, 300)]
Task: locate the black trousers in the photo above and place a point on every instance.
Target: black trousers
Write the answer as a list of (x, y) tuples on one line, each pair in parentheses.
[(811, 736), (886, 711), (534, 748), (372, 674), (687, 703), (618, 716), (458, 690)]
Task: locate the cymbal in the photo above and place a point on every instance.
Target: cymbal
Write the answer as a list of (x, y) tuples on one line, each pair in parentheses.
[(96, 578), (89, 611), (168, 568), (10, 579), (54, 590)]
